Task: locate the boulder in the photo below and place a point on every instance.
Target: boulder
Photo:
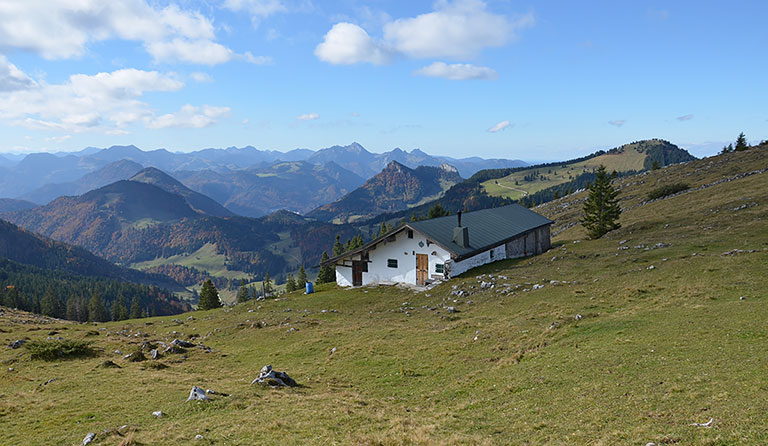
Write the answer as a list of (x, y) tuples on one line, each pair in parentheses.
[(271, 378), (89, 438), (154, 354), (197, 394), (17, 343), (181, 343), (158, 413)]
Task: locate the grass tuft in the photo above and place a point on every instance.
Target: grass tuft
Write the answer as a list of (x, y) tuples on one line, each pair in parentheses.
[(55, 350)]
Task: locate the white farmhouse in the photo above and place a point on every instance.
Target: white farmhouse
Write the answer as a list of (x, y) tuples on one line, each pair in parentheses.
[(421, 252)]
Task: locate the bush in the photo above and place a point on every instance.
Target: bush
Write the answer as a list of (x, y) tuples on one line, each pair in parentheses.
[(53, 350), (667, 190)]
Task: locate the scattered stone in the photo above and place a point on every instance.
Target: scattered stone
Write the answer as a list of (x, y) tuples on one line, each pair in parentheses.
[(197, 394), (622, 242), (578, 317), (333, 350), (269, 377), (118, 352), (11, 369), (49, 381), (538, 286), (451, 309), (553, 325), (158, 413), (251, 310), (181, 343), (708, 424), (651, 267), (743, 298), (137, 356), (17, 343), (88, 438), (154, 354), (191, 318), (199, 437)]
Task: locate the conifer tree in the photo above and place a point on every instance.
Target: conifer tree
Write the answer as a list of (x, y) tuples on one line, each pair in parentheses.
[(290, 284), (601, 209), (209, 297), (655, 165), (437, 211), (96, 310), (338, 248), (302, 279), (135, 308), (119, 311), (327, 273), (741, 143), (50, 304), (242, 293), (267, 284)]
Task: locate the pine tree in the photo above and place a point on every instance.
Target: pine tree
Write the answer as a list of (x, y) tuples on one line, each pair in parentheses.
[(290, 284), (12, 299), (655, 165), (601, 209), (338, 248), (437, 211), (50, 304), (302, 279), (741, 143), (96, 310), (242, 293), (135, 308), (209, 297), (327, 273), (119, 311), (267, 284)]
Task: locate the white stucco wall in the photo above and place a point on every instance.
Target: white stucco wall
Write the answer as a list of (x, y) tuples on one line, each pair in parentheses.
[(404, 250), (499, 253)]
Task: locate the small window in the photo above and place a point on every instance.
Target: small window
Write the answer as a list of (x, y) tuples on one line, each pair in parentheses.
[(365, 267), (392, 263), (491, 254), (440, 268), (410, 233)]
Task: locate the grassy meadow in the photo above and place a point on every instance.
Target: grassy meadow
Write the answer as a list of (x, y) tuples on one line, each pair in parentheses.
[(629, 339)]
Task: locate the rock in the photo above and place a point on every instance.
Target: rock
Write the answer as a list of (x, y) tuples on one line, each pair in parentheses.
[(743, 298), (88, 438), (118, 352), (157, 413), (199, 437), (191, 318), (137, 356), (17, 343), (177, 321), (538, 286), (451, 309), (181, 343), (333, 350), (154, 354), (578, 317), (197, 394), (651, 267), (269, 377)]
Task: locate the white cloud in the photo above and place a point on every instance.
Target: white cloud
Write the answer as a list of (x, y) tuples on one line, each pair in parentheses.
[(256, 60), (201, 77), (499, 127), (308, 117), (190, 116), (456, 72), (11, 78), (618, 122), (458, 29), (62, 29), (104, 102), (258, 9), (347, 44), (685, 118), (61, 138)]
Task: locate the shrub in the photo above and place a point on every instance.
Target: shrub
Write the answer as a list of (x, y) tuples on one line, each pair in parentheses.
[(667, 190), (53, 350)]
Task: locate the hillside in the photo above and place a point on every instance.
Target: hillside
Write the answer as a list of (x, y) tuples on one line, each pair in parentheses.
[(633, 157), (257, 191), (630, 339), (395, 188), (116, 171), (198, 202), (10, 205)]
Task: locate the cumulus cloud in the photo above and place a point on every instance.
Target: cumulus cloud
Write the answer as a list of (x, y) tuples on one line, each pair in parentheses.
[(458, 29), (456, 72), (618, 122), (685, 118), (104, 102), (455, 29), (308, 117), (190, 116), (347, 44), (62, 29), (11, 78), (499, 127)]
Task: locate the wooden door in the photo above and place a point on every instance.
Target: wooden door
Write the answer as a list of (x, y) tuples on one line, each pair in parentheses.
[(422, 269), (357, 273)]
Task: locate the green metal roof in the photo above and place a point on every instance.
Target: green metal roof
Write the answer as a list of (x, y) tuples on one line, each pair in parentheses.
[(487, 228)]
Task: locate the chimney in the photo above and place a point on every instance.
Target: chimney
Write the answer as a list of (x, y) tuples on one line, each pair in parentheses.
[(461, 234)]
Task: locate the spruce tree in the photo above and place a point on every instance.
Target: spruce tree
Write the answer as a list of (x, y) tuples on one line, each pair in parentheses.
[(119, 311), (327, 273), (290, 284), (135, 308), (741, 143), (72, 312), (242, 293), (209, 297), (601, 209), (50, 304), (338, 248), (302, 279), (267, 284), (96, 310), (437, 211), (655, 165)]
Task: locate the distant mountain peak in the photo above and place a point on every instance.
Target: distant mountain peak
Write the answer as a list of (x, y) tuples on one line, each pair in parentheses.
[(449, 168)]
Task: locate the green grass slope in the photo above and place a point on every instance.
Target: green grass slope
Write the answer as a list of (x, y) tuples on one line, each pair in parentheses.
[(594, 342)]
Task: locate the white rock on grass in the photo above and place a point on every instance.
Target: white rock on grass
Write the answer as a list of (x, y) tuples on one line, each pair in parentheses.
[(89, 438), (269, 377), (197, 394), (158, 413)]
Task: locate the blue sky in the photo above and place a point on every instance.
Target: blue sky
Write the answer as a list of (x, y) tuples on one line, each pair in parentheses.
[(529, 80)]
